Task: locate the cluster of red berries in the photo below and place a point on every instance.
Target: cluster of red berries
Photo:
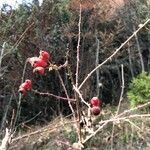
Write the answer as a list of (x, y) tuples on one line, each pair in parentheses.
[(95, 105), (39, 64)]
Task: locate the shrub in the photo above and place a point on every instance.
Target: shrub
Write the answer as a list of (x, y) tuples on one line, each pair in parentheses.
[(139, 89)]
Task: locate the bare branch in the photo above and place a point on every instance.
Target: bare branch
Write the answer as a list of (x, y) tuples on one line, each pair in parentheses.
[(80, 95), (115, 121), (63, 85), (50, 94), (78, 47), (116, 51), (96, 64), (122, 90)]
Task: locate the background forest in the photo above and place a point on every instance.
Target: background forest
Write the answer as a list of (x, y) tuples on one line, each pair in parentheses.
[(54, 26)]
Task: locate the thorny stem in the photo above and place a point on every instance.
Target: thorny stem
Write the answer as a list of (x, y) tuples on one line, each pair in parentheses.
[(133, 109), (116, 51), (56, 96), (80, 95), (78, 48), (115, 120), (96, 64), (118, 118), (77, 78)]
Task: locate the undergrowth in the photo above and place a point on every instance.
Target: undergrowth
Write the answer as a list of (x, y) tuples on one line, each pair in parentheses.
[(139, 89)]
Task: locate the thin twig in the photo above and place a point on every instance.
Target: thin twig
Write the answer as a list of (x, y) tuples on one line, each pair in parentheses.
[(12, 119), (116, 121), (116, 51), (19, 101), (118, 108), (122, 89), (78, 48), (50, 94), (133, 109), (96, 64), (80, 95), (65, 90), (119, 117), (78, 109)]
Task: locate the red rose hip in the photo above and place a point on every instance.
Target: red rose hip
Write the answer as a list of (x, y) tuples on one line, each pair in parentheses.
[(44, 55), (37, 62), (95, 101), (25, 86), (22, 90), (39, 70), (95, 110)]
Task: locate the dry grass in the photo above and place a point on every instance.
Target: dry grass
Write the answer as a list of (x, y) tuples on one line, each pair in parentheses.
[(132, 131)]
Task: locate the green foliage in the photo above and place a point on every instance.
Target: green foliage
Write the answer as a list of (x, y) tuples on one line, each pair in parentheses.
[(139, 89)]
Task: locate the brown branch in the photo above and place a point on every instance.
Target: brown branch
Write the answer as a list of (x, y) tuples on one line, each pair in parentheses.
[(122, 90), (96, 64), (56, 96), (133, 109), (78, 48), (78, 109), (63, 85), (80, 95)]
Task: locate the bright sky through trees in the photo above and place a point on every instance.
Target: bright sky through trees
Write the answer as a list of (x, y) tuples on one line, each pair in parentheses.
[(14, 3)]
